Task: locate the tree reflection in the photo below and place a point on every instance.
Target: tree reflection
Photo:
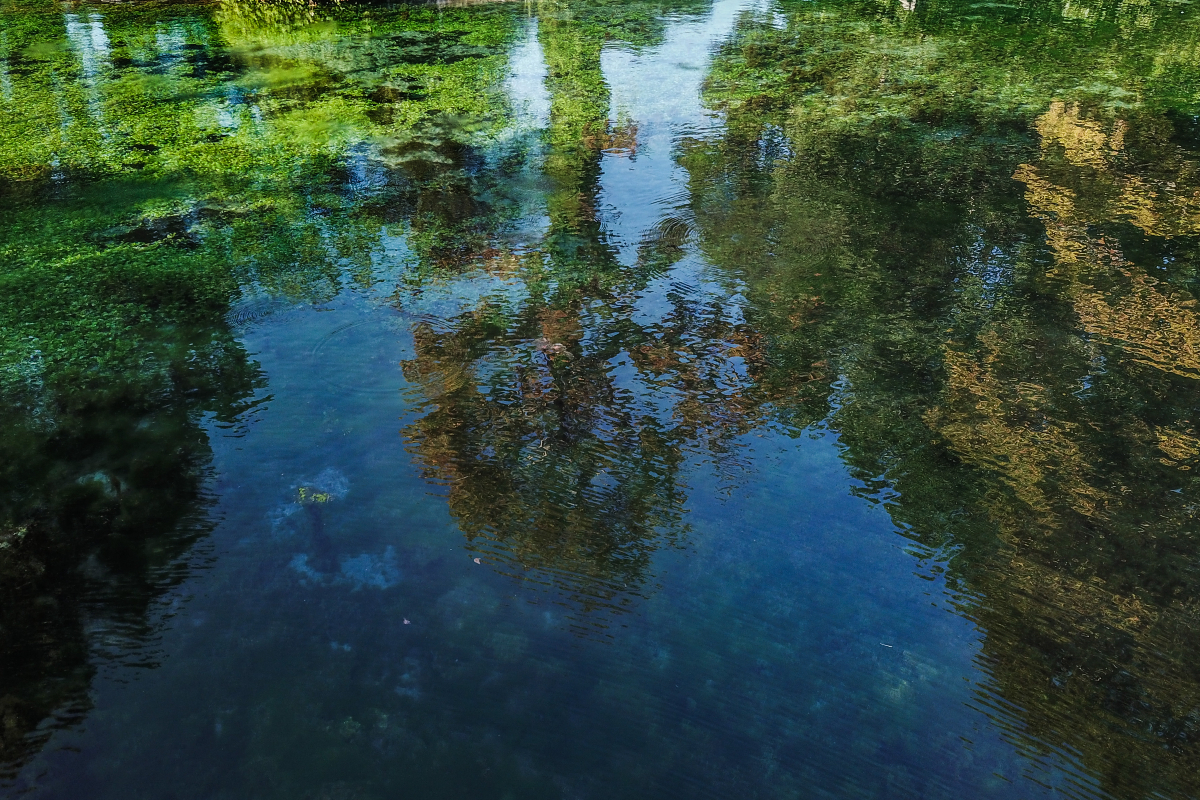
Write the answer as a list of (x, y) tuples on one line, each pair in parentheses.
[(1017, 366), (1089, 432), (558, 423)]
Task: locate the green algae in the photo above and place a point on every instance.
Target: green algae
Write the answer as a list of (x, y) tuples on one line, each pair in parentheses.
[(951, 86), (221, 184)]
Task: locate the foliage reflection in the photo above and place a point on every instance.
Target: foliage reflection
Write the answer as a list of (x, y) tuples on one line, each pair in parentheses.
[(1002, 273)]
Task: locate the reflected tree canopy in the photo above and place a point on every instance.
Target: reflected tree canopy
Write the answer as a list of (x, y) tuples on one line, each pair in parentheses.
[(549, 419), (998, 266)]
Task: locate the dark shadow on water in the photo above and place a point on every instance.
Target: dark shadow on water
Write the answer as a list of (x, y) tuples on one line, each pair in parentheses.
[(103, 507)]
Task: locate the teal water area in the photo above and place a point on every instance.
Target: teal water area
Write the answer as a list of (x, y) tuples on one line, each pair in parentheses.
[(599, 400)]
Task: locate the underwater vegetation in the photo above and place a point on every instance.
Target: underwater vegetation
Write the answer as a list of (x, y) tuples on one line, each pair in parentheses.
[(155, 164), (957, 239)]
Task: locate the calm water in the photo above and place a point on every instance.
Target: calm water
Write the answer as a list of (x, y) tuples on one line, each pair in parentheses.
[(693, 398)]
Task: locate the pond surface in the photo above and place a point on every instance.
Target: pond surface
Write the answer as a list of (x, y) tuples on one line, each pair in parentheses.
[(693, 398)]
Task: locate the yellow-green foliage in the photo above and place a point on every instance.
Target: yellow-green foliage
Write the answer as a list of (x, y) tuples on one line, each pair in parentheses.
[(153, 159), (951, 75)]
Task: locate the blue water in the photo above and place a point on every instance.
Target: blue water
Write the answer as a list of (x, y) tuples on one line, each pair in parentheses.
[(794, 640), (496, 530)]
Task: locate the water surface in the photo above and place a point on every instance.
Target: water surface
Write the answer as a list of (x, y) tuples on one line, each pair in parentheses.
[(724, 398)]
